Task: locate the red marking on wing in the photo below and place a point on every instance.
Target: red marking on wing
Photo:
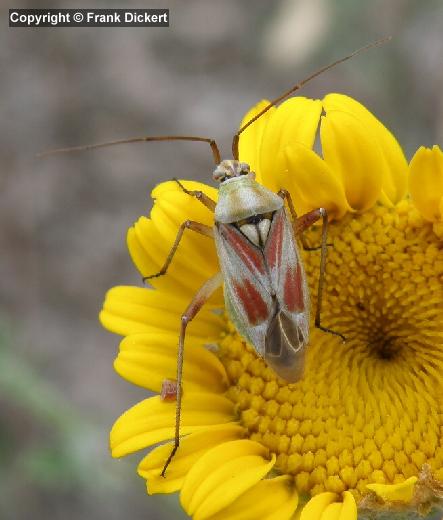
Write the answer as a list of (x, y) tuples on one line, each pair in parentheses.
[(274, 243), (250, 256), (254, 305), (293, 290)]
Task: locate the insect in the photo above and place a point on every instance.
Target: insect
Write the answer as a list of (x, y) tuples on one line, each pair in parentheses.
[(255, 233), (265, 290)]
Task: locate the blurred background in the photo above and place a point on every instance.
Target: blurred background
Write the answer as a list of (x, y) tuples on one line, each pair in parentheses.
[(63, 219)]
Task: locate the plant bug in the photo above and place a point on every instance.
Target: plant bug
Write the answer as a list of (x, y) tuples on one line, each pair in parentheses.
[(265, 289)]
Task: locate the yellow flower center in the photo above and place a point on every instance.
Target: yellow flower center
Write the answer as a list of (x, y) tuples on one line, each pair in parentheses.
[(370, 409)]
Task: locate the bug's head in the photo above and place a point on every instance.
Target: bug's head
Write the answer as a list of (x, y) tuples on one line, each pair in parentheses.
[(230, 168)]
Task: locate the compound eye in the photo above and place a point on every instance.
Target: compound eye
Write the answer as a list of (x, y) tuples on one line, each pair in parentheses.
[(219, 175), (244, 168)]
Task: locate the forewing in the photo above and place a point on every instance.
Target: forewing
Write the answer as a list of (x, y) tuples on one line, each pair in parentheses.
[(266, 294), (247, 286), (288, 332), (285, 268)]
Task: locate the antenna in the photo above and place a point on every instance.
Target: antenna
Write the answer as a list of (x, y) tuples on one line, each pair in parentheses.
[(211, 142), (298, 86)]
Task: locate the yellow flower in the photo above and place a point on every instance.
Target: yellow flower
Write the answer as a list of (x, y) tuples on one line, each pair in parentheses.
[(363, 430)]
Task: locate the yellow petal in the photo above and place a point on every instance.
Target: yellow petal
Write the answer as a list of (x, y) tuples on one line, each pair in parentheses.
[(402, 492), (315, 507), (349, 509), (165, 187), (294, 122), (313, 184), (148, 359), (332, 511), (132, 310), (351, 154), (150, 240), (426, 182), (251, 139), (395, 170), (190, 450), (222, 475), (153, 420), (270, 499), (325, 508), (230, 481)]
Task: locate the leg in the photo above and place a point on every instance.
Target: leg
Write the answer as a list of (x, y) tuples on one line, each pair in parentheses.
[(199, 195), (285, 195), (200, 298), (301, 224), (188, 224)]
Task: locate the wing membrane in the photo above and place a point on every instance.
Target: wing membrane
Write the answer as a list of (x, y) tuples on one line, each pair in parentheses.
[(284, 346)]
